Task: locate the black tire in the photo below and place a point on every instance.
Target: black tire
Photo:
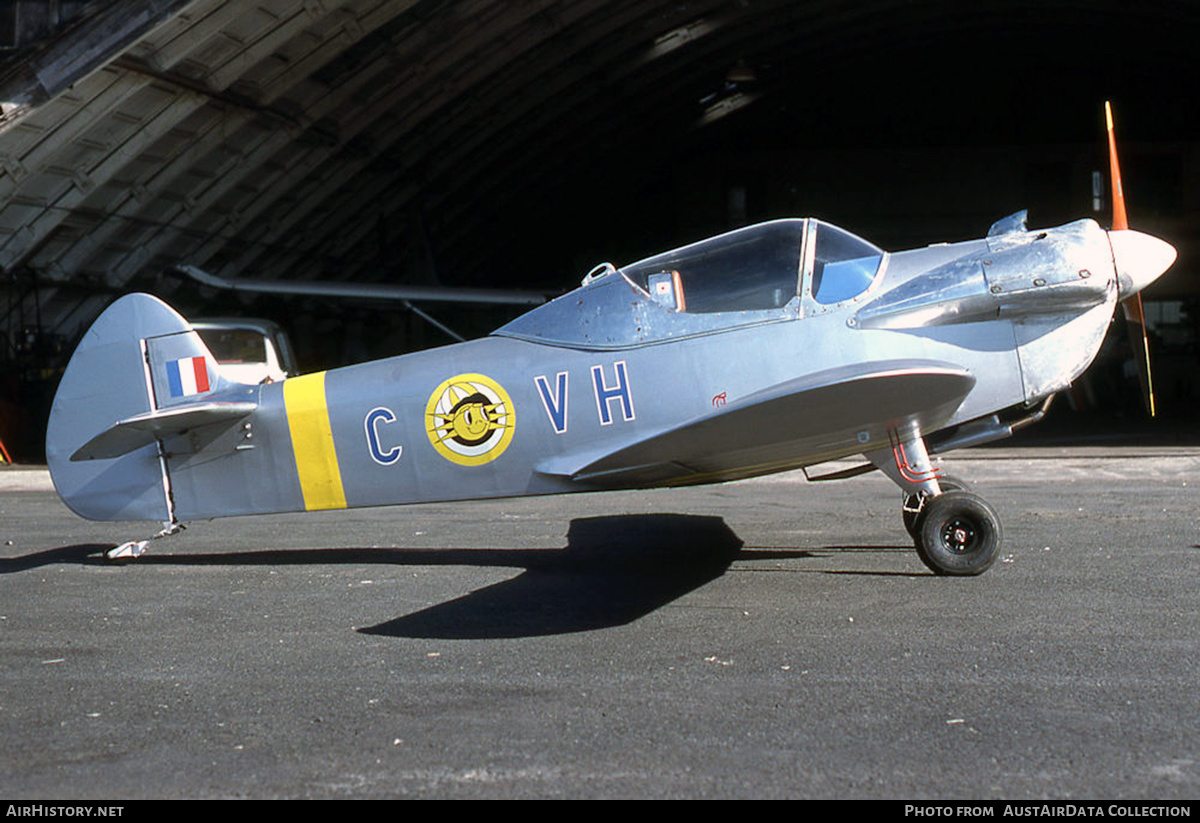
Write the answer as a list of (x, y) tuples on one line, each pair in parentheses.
[(960, 534), (913, 510)]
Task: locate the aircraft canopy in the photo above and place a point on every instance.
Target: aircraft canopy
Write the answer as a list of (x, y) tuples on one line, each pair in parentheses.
[(744, 277), (752, 268), (758, 268)]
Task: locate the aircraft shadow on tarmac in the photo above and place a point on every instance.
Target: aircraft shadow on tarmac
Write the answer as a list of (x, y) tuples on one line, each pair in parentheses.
[(613, 570)]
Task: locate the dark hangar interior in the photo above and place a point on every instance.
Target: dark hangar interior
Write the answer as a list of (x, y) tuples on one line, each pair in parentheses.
[(517, 143)]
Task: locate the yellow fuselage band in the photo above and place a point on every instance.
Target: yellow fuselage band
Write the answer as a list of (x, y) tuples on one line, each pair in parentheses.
[(312, 442)]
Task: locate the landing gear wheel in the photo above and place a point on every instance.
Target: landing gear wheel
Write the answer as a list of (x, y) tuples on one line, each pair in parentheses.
[(914, 504), (959, 534)]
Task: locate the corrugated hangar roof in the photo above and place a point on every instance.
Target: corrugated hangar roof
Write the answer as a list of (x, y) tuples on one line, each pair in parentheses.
[(492, 142)]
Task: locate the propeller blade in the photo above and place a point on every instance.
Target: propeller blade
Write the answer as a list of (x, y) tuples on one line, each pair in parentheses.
[(1135, 318), (1139, 342), (1120, 221)]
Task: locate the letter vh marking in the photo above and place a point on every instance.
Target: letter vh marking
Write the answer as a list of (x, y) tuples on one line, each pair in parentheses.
[(605, 393)]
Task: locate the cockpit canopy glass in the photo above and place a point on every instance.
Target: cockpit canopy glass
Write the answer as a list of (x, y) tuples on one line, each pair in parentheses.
[(750, 269), (843, 266), (771, 272)]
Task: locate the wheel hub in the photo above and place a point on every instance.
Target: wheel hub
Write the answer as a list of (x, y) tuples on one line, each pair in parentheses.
[(958, 536)]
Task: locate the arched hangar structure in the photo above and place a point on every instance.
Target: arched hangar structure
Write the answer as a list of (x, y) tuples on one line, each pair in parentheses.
[(513, 143)]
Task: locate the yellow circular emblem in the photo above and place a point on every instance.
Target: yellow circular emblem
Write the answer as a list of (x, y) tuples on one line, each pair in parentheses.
[(470, 419)]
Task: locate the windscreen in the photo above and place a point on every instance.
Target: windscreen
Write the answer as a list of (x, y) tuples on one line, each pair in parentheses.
[(235, 345), (844, 265)]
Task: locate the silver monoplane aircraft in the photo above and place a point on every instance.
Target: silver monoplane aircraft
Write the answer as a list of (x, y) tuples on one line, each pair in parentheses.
[(779, 346)]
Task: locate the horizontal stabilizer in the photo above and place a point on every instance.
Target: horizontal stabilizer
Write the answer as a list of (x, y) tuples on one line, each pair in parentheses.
[(142, 429)]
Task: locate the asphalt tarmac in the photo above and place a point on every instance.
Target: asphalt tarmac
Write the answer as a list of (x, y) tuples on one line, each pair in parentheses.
[(772, 638)]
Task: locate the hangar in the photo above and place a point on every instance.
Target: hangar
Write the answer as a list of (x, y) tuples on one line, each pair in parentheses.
[(516, 143)]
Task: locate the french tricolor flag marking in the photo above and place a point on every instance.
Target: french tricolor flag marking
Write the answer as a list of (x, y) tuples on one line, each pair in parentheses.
[(187, 376)]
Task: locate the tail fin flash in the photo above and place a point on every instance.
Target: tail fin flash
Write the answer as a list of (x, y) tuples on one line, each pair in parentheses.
[(182, 370), (139, 374)]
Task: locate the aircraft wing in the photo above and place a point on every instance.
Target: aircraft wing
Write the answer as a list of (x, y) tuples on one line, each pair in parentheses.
[(374, 291), (830, 414)]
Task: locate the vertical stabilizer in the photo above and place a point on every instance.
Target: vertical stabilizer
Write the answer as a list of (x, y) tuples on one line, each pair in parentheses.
[(139, 356)]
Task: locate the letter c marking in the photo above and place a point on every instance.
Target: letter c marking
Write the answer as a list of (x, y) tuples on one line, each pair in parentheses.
[(371, 424)]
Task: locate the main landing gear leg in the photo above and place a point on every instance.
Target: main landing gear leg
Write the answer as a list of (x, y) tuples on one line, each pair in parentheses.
[(136, 548), (955, 531)]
